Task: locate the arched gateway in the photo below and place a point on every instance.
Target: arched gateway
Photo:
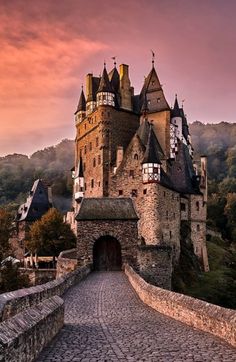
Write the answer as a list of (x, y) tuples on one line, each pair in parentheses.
[(107, 254), (107, 233)]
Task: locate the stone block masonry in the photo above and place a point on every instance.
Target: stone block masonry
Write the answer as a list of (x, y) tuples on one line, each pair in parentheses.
[(23, 336), (205, 316)]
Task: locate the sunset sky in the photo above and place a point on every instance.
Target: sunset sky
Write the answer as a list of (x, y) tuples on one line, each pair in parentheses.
[(48, 46)]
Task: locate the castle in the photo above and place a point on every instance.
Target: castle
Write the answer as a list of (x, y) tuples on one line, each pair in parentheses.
[(135, 183)]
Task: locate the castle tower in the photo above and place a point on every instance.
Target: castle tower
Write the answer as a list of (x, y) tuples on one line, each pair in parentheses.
[(105, 93), (158, 109), (81, 109)]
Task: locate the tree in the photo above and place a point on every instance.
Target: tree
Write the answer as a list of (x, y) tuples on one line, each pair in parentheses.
[(5, 232), (50, 235)]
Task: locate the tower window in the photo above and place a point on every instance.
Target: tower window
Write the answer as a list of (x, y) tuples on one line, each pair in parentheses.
[(96, 141), (182, 207), (120, 192), (90, 146), (92, 183), (198, 227), (134, 193), (94, 162), (170, 234), (99, 159), (131, 173), (145, 191), (85, 150), (135, 156), (197, 205)]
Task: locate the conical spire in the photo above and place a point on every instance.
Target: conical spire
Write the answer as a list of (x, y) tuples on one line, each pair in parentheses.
[(151, 154), (176, 112), (105, 85), (82, 102)]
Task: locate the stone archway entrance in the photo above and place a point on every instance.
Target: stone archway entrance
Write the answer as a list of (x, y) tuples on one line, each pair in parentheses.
[(107, 254)]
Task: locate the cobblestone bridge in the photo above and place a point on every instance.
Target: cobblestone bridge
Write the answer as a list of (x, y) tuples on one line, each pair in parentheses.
[(105, 321)]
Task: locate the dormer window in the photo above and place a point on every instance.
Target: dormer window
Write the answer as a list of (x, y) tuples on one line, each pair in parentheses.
[(151, 172)]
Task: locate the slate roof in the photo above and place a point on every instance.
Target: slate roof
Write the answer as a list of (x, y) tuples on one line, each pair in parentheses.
[(151, 154), (82, 102), (95, 85), (176, 112), (36, 204), (143, 133), (184, 124), (182, 174), (105, 85), (107, 208)]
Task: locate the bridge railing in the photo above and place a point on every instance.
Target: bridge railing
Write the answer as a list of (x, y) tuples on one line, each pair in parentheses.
[(31, 317), (194, 312)]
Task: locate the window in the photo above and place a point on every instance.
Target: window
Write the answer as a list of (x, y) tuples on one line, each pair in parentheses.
[(134, 193), (164, 194), (197, 205), (198, 227), (145, 191), (170, 234), (99, 159), (96, 141), (85, 126), (158, 100), (85, 150), (94, 162), (182, 207), (90, 146), (131, 173), (99, 183), (92, 183), (120, 192), (135, 156)]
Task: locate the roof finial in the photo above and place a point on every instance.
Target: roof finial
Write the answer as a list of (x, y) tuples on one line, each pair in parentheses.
[(153, 58), (104, 64), (183, 100), (114, 58), (82, 86)]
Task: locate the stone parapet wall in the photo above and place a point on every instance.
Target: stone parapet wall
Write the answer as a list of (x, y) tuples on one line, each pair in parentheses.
[(12, 303), (205, 316), (66, 262), (23, 336)]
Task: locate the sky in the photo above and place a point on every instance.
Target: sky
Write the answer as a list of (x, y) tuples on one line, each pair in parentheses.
[(47, 48)]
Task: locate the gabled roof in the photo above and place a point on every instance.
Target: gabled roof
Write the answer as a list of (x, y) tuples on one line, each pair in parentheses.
[(82, 102), (151, 154), (105, 85), (182, 173), (151, 82), (36, 204), (107, 208)]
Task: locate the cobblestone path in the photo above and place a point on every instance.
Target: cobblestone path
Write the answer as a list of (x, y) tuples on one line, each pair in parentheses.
[(105, 321)]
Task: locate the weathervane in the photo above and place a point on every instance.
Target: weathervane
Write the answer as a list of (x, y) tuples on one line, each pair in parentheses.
[(153, 58), (114, 58)]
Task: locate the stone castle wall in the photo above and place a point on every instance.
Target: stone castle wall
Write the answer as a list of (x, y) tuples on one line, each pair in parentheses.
[(194, 312)]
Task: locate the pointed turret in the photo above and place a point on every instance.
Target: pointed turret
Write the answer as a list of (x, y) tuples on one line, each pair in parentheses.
[(105, 93), (151, 164), (114, 78), (175, 112), (79, 181), (81, 108)]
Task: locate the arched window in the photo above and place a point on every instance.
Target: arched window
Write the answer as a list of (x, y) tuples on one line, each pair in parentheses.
[(135, 156)]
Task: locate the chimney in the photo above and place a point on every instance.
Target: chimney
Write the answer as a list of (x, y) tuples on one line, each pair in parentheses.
[(89, 89), (125, 88)]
